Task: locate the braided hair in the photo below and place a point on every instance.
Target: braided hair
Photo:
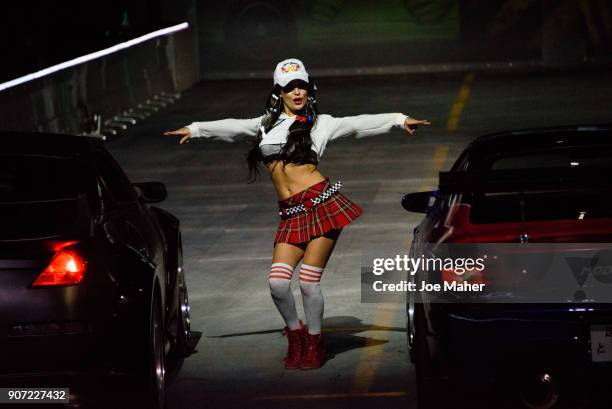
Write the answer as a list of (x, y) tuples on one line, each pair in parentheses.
[(298, 148)]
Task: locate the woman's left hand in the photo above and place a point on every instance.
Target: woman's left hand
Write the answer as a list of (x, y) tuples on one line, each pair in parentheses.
[(411, 124)]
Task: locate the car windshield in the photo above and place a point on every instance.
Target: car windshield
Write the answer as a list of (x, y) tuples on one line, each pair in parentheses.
[(582, 203), (41, 196), (27, 178), (557, 158)]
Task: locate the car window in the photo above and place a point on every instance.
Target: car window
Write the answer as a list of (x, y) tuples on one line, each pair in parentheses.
[(43, 178), (554, 159), (534, 161), (114, 179), (41, 196), (540, 206), (544, 205)]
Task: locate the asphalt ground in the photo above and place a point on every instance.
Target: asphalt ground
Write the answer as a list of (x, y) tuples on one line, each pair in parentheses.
[(228, 225)]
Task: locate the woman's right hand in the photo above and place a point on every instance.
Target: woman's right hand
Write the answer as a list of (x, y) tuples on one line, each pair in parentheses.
[(184, 133)]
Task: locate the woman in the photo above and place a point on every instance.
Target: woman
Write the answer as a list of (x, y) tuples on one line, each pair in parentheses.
[(290, 138)]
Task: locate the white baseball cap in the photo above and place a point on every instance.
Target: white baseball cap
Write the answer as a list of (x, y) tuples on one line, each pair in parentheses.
[(289, 70)]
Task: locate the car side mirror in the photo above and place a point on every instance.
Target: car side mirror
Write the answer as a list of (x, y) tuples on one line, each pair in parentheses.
[(151, 192), (417, 202)]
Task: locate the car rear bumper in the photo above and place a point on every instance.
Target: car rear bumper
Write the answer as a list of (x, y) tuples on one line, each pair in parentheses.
[(96, 326), (532, 336), (112, 344), (58, 353)]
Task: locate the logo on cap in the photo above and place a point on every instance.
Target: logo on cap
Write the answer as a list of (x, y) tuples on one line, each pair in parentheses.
[(290, 67)]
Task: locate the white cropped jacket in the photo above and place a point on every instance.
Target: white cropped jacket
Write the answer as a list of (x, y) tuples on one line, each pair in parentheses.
[(327, 128)]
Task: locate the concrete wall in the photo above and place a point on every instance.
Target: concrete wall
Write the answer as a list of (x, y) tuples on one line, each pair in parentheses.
[(245, 38), (64, 102)]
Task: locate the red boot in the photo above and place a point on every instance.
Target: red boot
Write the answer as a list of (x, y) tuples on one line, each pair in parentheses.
[(293, 360), (314, 353)]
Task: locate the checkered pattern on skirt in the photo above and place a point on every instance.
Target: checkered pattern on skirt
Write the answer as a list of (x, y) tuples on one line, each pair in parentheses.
[(333, 213)]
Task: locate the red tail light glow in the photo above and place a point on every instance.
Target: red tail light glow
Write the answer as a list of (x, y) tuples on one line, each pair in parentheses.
[(67, 267)]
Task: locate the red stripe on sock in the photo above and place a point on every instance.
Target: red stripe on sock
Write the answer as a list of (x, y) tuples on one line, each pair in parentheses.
[(309, 281), (278, 276), (309, 275), (282, 268), (281, 271), (311, 269)]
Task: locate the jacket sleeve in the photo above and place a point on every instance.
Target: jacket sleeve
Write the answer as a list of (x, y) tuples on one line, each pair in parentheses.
[(364, 125), (225, 129)]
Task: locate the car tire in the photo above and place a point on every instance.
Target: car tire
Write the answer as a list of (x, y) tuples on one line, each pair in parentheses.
[(431, 391), (183, 320), (182, 341), (183, 335), (153, 378), (410, 305)]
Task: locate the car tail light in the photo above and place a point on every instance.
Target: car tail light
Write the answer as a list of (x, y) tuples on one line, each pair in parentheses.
[(66, 267)]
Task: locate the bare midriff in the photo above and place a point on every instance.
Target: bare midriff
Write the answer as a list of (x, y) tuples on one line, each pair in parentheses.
[(289, 179)]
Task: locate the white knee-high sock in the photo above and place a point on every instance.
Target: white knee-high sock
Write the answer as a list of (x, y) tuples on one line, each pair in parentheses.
[(310, 285), (280, 289)]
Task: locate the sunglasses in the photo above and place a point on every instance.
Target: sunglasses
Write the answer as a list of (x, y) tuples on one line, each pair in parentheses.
[(291, 85)]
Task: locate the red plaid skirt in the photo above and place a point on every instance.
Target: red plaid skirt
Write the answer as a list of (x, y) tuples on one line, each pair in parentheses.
[(331, 214)]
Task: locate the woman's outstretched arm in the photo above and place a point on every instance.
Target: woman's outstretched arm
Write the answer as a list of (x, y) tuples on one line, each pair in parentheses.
[(372, 124), (224, 129)]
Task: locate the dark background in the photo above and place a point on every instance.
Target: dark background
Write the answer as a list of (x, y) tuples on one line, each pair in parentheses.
[(238, 37), (228, 225), (39, 34)]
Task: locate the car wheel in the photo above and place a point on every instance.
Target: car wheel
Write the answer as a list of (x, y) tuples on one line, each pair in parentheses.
[(183, 340), (183, 321), (431, 391), (154, 376), (410, 329), (422, 359)]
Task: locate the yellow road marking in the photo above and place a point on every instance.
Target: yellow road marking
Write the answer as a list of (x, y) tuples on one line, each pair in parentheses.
[(457, 108), (369, 358), (333, 396)]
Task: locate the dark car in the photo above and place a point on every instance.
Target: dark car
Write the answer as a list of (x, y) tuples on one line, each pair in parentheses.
[(533, 186), (92, 280)]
